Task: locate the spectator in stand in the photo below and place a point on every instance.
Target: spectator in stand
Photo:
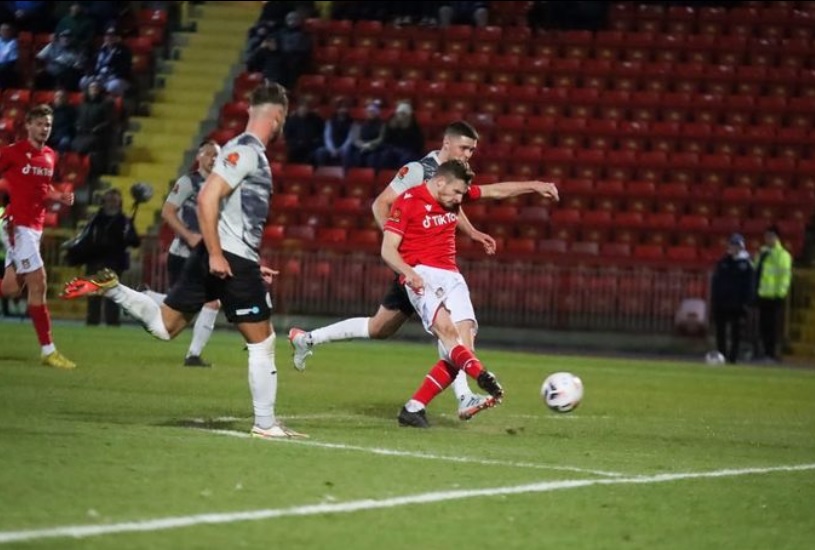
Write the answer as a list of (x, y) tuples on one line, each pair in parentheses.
[(113, 233), (113, 64), (80, 25), (403, 140), (304, 133), (295, 45), (64, 63), (94, 127), (107, 14), (258, 33), (276, 12), (463, 13), (8, 57), (731, 294), (774, 275), (367, 139), (337, 137), (63, 129), (267, 59)]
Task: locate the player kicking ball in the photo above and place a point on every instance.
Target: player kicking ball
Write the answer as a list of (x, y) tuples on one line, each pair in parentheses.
[(419, 244)]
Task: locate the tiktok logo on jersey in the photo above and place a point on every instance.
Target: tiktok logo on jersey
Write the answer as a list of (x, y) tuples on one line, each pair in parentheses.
[(37, 171), (439, 220)]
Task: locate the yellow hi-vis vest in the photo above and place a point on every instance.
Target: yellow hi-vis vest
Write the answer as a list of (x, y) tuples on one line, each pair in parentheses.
[(776, 273)]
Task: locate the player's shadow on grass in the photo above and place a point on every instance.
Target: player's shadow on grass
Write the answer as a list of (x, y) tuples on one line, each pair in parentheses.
[(203, 424), (389, 410)]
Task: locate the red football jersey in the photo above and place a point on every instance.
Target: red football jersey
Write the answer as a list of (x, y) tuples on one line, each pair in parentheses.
[(428, 230), (29, 172)]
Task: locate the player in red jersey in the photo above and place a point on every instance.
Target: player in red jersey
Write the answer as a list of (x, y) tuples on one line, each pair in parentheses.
[(28, 166), (420, 244)]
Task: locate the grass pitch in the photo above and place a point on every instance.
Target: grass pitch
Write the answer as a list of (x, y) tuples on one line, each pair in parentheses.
[(132, 450)]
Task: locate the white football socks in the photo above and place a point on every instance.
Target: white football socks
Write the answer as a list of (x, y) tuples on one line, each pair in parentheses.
[(356, 327), (140, 307), (202, 330), (263, 381)]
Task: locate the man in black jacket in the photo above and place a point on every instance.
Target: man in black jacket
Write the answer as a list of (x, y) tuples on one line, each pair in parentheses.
[(731, 293), (113, 234)]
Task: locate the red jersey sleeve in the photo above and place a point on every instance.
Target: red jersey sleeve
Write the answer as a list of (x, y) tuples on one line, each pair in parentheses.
[(398, 218), (6, 159), (473, 194)]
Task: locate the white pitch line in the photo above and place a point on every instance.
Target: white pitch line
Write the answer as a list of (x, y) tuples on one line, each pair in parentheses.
[(427, 456), (85, 531)]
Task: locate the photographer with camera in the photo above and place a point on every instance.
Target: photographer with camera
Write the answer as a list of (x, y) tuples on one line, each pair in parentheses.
[(111, 234)]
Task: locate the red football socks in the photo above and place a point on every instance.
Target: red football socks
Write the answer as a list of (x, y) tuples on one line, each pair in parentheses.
[(42, 323), (439, 377), (465, 360)]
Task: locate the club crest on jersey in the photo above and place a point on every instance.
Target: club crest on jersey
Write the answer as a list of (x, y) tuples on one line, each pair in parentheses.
[(403, 171), (439, 292), (232, 159), (37, 171), (438, 220)]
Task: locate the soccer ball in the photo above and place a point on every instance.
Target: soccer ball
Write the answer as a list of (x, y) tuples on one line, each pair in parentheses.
[(714, 358), (562, 391)]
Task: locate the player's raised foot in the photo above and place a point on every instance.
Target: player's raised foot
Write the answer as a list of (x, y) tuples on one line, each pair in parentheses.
[(196, 361), (90, 286), (278, 431), (413, 419), (487, 382), (58, 361), (471, 405), (300, 348)]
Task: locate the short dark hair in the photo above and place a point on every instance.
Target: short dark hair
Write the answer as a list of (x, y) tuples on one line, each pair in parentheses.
[(269, 92), (456, 169), (38, 111), (208, 141), (774, 229), (461, 129)]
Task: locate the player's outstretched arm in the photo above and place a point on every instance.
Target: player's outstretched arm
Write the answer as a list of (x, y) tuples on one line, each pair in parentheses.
[(465, 226), (209, 202), (506, 189), (382, 204)]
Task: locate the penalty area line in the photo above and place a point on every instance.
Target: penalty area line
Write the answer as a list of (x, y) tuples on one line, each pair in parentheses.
[(160, 524), (426, 456)]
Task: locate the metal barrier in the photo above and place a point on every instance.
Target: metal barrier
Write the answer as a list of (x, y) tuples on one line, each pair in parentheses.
[(539, 295)]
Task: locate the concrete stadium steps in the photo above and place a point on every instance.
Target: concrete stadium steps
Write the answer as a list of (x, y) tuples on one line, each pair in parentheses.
[(202, 66)]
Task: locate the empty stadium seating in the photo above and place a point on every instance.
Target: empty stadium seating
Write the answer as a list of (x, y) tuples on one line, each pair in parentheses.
[(665, 132)]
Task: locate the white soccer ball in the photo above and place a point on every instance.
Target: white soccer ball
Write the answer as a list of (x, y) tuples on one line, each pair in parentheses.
[(562, 391), (714, 358)]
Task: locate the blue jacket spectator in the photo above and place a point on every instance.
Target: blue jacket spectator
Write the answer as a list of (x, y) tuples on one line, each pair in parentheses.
[(64, 63), (337, 137), (8, 57), (113, 63)]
